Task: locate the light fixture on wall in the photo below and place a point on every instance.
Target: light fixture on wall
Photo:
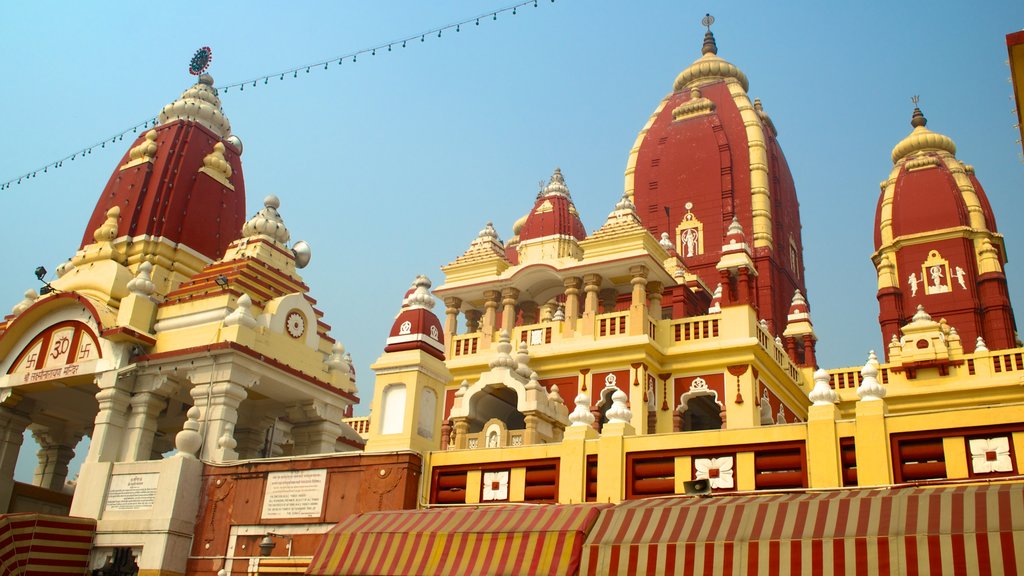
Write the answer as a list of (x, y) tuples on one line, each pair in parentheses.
[(267, 544)]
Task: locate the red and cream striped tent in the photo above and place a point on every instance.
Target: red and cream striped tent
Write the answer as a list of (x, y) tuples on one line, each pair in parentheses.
[(966, 529), (40, 544)]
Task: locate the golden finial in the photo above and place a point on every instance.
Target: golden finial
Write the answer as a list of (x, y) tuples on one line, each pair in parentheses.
[(709, 38), (918, 118)]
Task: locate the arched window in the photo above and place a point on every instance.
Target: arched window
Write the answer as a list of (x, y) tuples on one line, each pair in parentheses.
[(392, 417)]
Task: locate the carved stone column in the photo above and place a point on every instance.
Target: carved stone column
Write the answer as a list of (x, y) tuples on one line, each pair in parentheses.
[(461, 430), (655, 290), (315, 427), (509, 297), (112, 418), (572, 303), (638, 300), (530, 311), (472, 320), (145, 407), (548, 310), (12, 432), (531, 436), (491, 300), (609, 297), (591, 286), (218, 403), (451, 322), (56, 449)]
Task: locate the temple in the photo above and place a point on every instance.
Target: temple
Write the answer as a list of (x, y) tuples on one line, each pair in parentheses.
[(643, 398)]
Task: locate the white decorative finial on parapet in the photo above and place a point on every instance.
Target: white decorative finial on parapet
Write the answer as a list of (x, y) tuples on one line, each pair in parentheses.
[(142, 284), (554, 395), (665, 242), (870, 388), (30, 297), (979, 346), (242, 314), (873, 358), (336, 361), (420, 297), (619, 412), (523, 361), (188, 440), (559, 315), (504, 358), (267, 222), (581, 415), (822, 394)]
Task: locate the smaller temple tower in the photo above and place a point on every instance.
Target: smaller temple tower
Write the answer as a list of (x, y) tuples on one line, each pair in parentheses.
[(936, 244), (408, 393)]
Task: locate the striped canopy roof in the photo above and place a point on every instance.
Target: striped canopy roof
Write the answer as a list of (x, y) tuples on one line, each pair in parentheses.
[(479, 540), (944, 530), (37, 544)]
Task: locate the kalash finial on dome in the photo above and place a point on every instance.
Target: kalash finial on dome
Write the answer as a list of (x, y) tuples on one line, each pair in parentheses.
[(709, 67), (917, 119), (556, 186), (199, 103), (419, 296), (267, 222), (921, 139), (709, 37)]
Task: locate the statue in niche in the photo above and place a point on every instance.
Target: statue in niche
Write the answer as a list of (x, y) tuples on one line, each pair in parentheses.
[(690, 241), (938, 276)]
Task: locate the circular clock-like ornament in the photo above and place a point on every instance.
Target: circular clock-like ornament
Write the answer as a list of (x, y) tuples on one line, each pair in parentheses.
[(200, 61), (295, 324)]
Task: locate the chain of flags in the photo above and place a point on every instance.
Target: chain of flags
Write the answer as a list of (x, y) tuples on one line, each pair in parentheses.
[(291, 73)]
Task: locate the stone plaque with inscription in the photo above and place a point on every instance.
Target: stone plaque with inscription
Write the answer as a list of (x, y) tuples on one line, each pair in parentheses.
[(132, 491), (294, 494)]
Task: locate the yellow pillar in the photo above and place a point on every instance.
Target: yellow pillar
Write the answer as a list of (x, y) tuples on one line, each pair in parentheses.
[(823, 463), (517, 484), (874, 467), (474, 479), (1018, 449), (509, 296), (572, 481), (684, 472), (638, 301), (611, 462), (592, 285), (955, 452), (491, 298), (745, 471), (572, 304), (451, 321)]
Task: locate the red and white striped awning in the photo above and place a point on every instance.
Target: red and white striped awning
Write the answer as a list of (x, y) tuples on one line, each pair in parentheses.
[(942, 530), (36, 544), (478, 540)]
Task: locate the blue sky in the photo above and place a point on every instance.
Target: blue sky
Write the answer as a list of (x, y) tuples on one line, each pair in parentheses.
[(389, 166)]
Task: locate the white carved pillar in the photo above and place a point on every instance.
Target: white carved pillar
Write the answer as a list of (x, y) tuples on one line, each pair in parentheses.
[(315, 427), (142, 424), (12, 432), (56, 449), (218, 407), (112, 418)]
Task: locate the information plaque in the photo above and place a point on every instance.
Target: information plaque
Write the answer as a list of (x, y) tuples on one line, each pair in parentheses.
[(132, 491), (294, 494)]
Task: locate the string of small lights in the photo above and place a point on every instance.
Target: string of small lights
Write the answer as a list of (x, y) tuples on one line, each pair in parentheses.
[(292, 73)]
